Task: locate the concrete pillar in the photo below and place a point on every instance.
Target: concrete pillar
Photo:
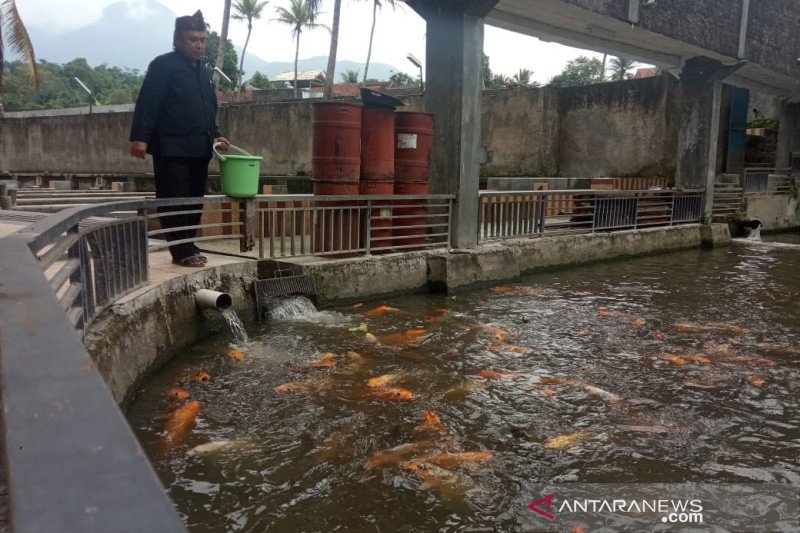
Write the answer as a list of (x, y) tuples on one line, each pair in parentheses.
[(788, 133), (452, 94), (699, 116)]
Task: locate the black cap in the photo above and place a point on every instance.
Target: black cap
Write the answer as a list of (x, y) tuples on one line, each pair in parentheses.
[(191, 23)]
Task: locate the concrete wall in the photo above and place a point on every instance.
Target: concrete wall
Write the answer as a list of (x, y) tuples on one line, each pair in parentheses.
[(775, 212), (619, 129), (520, 132)]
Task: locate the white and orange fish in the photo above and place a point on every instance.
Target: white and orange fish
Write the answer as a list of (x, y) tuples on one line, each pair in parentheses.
[(381, 309), (384, 380), (563, 442)]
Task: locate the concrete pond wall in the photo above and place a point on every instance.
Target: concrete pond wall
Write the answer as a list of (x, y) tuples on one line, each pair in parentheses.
[(617, 128), (133, 338)]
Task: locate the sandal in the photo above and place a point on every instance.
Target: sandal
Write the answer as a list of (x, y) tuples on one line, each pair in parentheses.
[(203, 258), (190, 261)]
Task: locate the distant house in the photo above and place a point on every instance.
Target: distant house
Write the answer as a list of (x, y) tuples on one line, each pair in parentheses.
[(305, 78), (352, 90)]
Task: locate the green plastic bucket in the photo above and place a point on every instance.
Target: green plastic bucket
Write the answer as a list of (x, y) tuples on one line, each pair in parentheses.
[(239, 172)]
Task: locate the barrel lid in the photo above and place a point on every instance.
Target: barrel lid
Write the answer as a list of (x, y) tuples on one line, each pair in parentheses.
[(377, 99)]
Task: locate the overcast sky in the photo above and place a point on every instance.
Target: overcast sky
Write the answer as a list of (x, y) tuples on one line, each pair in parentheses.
[(398, 33)]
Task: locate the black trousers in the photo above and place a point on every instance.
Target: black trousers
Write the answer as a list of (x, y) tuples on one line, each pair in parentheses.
[(180, 177)]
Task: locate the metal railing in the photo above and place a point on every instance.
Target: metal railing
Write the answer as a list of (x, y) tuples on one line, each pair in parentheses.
[(336, 225), (765, 181), (505, 214), (91, 257)]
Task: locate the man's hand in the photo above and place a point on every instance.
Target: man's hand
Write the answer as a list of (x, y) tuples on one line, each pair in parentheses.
[(222, 140), (138, 149)]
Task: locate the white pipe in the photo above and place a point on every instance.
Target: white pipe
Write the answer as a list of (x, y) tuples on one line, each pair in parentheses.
[(208, 299)]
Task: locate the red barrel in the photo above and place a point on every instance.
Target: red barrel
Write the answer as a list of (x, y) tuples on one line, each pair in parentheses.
[(377, 144), (410, 213), (380, 215), (413, 141), (336, 223), (336, 142)]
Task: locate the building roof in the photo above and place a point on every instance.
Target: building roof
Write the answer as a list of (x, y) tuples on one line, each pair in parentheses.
[(305, 75)]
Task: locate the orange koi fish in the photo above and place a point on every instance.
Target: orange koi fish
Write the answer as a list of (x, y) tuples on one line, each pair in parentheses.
[(605, 312), (677, 360), (688, 328), (354, 358), (236, 355), (756, 381), (181, 421), (583, 331), (202, 377), (392, 394), (496, 374), (370, 338), (552, 381), (728, 328), (177, 394), (381, 309), (549, 392), (639, 322), (403, 338), (326, 360), (500, 289), (658, 335), (453, 460), (699, 359)]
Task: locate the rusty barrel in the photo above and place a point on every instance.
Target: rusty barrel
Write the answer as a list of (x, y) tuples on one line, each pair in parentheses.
[(413, 141), (410, 213), (380, 215), (377, 144), (336, 224), (336, 142)]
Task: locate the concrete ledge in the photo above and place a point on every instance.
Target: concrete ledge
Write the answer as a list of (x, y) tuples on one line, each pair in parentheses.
[(131, 339)]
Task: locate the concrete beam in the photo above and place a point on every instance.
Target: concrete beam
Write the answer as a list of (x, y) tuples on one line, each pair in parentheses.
[(477, 8), (453, 62), (699, 112), (788, 133), (607, 44)]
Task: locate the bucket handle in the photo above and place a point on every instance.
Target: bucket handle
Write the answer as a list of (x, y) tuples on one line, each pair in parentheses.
[(222, 157)]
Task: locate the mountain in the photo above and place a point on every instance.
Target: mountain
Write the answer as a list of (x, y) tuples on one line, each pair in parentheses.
[(123, 38)]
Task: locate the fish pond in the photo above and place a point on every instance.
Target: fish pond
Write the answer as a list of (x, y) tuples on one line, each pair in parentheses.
[(425, 412)]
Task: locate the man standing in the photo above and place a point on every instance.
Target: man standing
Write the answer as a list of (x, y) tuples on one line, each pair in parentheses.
[(175, 121)]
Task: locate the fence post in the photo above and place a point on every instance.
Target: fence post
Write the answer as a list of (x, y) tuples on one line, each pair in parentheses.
[(250, 208), (368, 228)]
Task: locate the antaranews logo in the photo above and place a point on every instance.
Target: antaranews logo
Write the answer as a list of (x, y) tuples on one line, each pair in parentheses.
[(534, 506)]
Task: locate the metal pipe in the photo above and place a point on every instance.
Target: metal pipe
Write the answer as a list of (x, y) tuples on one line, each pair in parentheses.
[(208, 299)]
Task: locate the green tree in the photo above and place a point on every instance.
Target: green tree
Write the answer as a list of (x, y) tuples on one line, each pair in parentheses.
[(218, 61), (229, 65), (620, 66), (18, 41), (401, 79), (58, 89), (580, 71), (376, 4), (523, 78), (260, 81), (248, 10), (349, 76), (486, 73), (300, 15)]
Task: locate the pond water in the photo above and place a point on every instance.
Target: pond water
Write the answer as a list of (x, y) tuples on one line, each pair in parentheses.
[(668, 368)]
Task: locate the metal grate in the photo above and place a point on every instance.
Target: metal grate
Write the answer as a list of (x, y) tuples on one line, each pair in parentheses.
[(284, 284)]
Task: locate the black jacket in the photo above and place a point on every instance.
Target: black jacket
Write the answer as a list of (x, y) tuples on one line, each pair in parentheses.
[(176, 109)]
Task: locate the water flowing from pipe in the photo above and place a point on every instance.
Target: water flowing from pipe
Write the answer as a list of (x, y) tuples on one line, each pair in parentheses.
[(235, 324)]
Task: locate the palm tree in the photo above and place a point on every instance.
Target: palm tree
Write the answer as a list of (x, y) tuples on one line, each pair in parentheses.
[(620, 67), (223, 38), (18, 40), (300, 15), (376, 4), (328, 89), (248, 10), (522, 78), (349, 76)]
